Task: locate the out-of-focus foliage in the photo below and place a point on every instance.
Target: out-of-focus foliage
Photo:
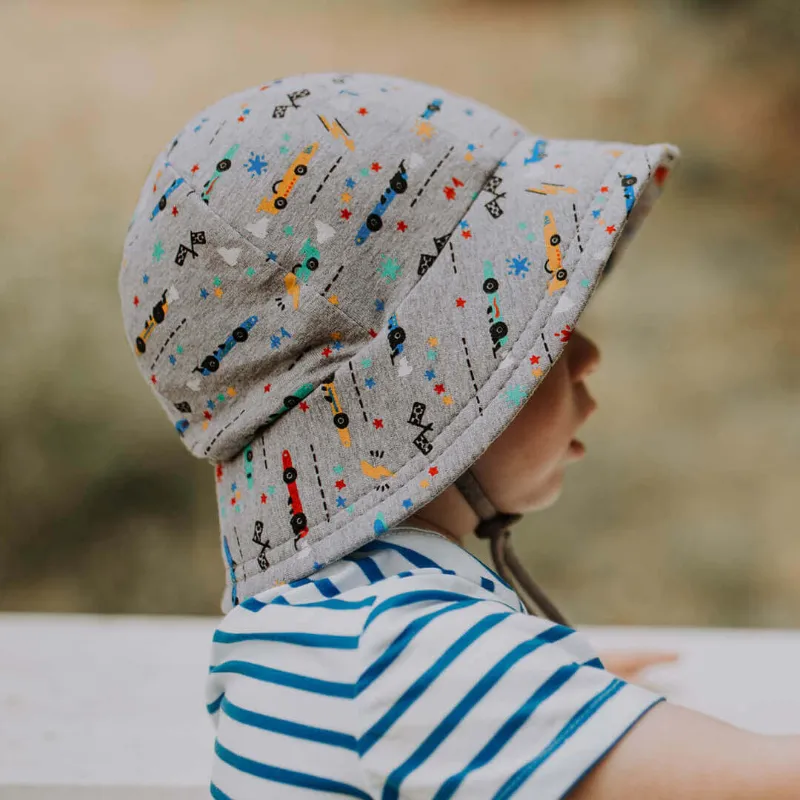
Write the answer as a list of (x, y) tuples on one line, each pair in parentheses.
[(684, 510)]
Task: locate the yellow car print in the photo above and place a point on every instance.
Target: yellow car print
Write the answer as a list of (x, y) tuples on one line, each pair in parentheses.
[(553, 265), (297, 168), (340, 419)]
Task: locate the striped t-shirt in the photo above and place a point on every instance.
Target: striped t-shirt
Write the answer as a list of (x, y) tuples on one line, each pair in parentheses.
[(407, 669)]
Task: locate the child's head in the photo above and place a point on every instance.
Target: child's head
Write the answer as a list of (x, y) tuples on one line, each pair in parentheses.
[(344, 288)]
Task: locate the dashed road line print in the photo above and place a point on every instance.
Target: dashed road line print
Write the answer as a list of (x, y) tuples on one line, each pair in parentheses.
[(241, 553), (546, 348), (472, 376), (358, 391), (264, 452), (155, 360), (221, 431), (319, 482), (453, 257), (324, 180), (577, 229), (335, 276), (428, 179)]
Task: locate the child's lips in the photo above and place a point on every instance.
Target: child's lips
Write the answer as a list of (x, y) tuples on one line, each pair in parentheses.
[(577, 447)]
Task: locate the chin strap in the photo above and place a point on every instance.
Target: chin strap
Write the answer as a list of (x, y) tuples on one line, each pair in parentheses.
[(495, 526)]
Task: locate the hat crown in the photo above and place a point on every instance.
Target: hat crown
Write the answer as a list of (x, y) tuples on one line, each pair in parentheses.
[(259, 205)]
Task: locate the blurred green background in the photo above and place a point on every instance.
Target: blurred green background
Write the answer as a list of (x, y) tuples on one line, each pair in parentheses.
[(685, 508)]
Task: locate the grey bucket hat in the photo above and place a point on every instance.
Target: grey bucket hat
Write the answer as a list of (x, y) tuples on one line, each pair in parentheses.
[(342, 288)]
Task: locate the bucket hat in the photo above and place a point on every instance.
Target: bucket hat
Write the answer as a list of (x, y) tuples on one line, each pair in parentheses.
[(341, 288)]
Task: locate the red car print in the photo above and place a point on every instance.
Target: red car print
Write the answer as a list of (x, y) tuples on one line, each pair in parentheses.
[(297, 518)]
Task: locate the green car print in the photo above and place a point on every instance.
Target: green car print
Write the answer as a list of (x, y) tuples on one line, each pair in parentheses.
[(310, 261)]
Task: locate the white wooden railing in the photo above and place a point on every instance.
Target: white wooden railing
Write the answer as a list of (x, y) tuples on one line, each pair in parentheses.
[(113, 707)]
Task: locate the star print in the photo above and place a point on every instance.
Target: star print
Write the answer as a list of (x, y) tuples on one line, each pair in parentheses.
[(460, 302), (363, 111), (326, 352), (274, 341), (287, 137), (203, 294), (390, 268), (557, 166), (153, 379), (283, 149), (402, 227), (288, 230), (515, 395), (378, 423), (346, 197), (174, 211), (263, 498), (249, 272), (464, 223), (340, 484), (350, 183), (158, 250), (430, 374), (466, 234), (596, 213), (194, 168), (449, 192), (136, 301), (145, 279), (267, 387), (179, 350), (611, 228), (439, 388), (407, 504), (433, 341), (376, 167), (272, 256), (469, 112), (470, 147), (534, 359), (604, 189), (345, 213), (370, 383), (366, 363), (217, 280), (173, 360), (364, 171), (341, 502), (256, 164)]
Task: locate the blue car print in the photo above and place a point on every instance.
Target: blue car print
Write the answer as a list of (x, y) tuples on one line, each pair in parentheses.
[(231, 567), (398, 183), (211, 363), (162, 203), (628, 182), (181, 425), (538, 152), (433, 107)]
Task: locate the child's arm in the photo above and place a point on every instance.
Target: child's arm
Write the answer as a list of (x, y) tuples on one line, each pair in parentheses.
[(673, 752)]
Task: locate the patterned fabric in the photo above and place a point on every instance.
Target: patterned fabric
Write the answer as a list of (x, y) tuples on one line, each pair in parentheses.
[(407, 669), (342, 288)]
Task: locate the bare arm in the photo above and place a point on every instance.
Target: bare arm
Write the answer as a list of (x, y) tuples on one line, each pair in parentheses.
[(673, 752)]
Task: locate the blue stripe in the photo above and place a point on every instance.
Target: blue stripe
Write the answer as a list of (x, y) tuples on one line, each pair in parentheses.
[(417, 689), (417, 559), (212, 708), (487, 584), (336, 604), (251, 604), (299, 582), (286, 776), (372, 572), (287, 727), (462, 708), (326, 587), (408, 598), (391, 653), (578, 720), (283, 678), (291, 637), (217, 793), (280, 600), (594, 662), (508, 729)]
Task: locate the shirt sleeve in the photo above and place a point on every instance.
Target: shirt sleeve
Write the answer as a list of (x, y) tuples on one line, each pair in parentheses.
[(462, 697)]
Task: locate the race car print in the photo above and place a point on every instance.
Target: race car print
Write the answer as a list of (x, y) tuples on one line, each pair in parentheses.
[(232, 569), (248, 465), (310, 261), (210, 363), (162, 202), (297, 519), (538, 152), (298, 167), (433, 107), (553, 265), (182, 426), (628, 182), (396, 337), (398, 183), (498, 329), (157, 316), (290, 401), (223, 165), (340, 419)]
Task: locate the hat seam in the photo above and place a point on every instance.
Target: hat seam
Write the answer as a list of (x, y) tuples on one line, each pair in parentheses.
[(246, 241), (586, 258)]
